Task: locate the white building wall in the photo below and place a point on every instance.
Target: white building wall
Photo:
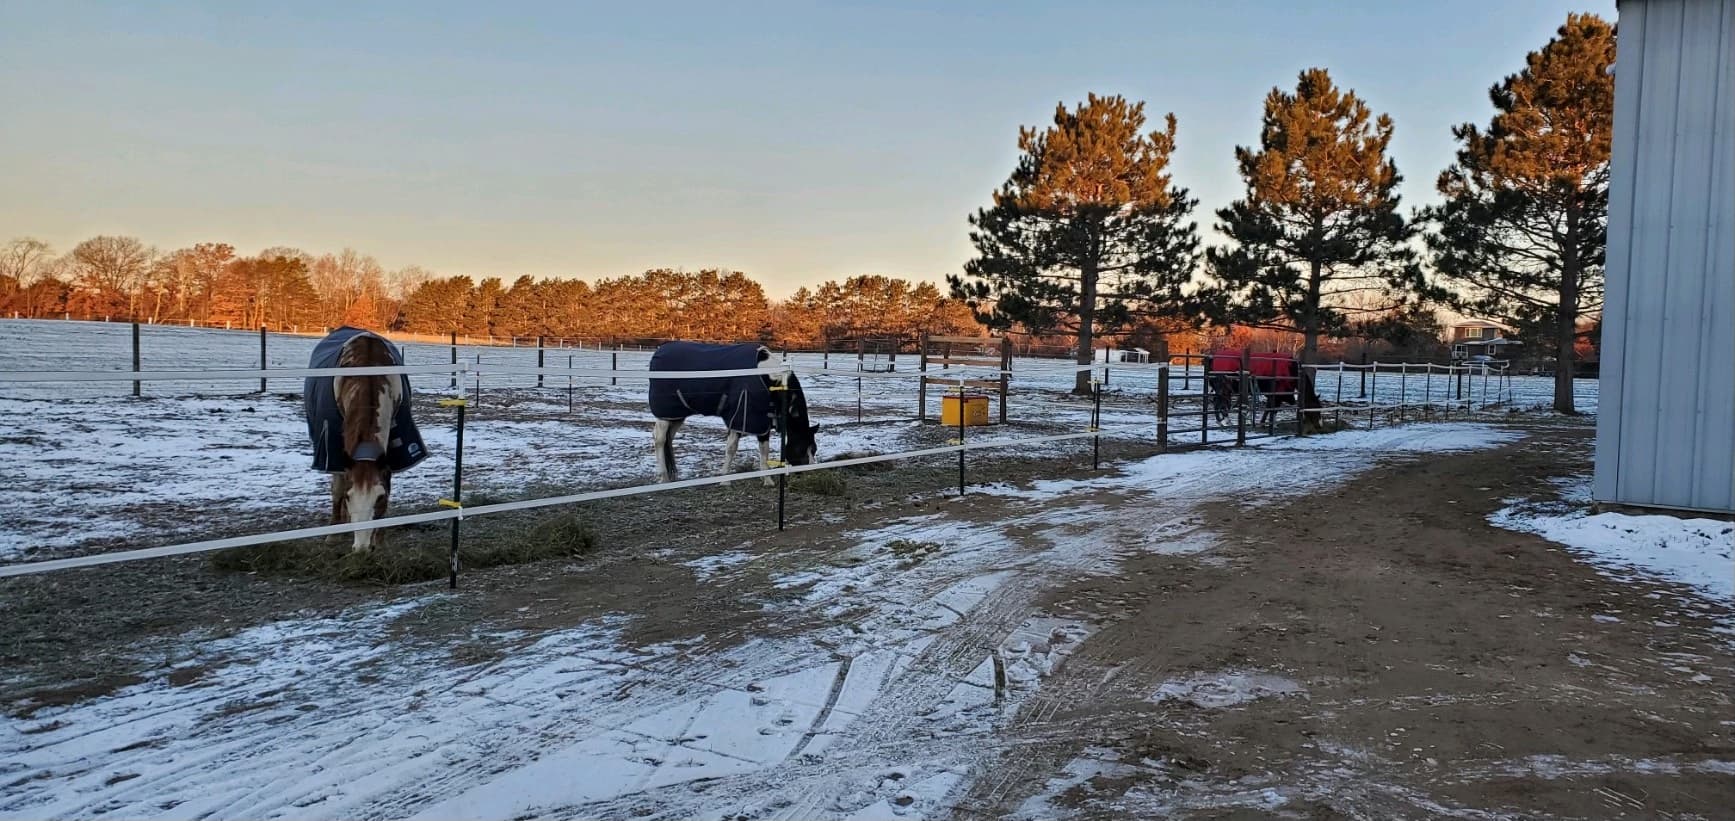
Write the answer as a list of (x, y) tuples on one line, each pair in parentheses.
[(1666, 416)]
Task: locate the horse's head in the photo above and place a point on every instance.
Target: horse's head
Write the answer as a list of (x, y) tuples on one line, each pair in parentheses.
[(799, 432), (367, 405)]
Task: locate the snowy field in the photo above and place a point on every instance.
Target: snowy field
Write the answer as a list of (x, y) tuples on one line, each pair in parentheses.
[(881, 712), (93, 466)]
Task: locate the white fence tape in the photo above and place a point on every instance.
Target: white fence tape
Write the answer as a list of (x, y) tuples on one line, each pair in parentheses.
[(507, 507)]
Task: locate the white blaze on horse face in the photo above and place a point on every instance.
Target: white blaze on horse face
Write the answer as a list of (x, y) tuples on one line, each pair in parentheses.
[(361, 509)]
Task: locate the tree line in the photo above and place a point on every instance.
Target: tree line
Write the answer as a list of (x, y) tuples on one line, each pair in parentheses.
[(209, 284), (1091, 235)]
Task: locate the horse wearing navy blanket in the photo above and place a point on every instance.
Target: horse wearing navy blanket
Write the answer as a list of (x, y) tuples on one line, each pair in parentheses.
[(360, 426), (753, 404)]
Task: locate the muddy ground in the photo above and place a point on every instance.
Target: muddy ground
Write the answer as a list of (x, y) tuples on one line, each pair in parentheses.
[(1405, 658)]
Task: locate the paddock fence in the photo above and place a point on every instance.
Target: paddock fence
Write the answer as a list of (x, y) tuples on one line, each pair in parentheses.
[(1155, 402)]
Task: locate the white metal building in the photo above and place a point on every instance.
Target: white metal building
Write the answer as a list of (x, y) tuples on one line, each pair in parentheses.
[(1666, 415)]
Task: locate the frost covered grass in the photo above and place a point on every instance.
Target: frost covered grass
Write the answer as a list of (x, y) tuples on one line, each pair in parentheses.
[(418, 554)]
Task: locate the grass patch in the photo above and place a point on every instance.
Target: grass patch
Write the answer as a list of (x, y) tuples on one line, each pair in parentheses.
[(911, 553), (417, 555), (820, 483), (871, 467)]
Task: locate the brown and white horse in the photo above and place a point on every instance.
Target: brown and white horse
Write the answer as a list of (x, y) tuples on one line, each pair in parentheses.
[(367, 405)]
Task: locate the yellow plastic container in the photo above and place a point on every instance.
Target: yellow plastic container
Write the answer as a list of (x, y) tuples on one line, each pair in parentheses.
[(975, 410)]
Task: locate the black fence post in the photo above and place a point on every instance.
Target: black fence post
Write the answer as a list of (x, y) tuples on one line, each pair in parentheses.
[(1096, 424), (457, 492), (137, 389), (569, 384), (783, 450), (1364, 375), (262, 362), (1163, 410), (961, 416), (539, 352), (454, 360), (1205, 399), (1241, 417), (614, 365)]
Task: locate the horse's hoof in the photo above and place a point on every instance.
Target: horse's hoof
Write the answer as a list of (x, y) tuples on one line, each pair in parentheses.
[(768, 481)]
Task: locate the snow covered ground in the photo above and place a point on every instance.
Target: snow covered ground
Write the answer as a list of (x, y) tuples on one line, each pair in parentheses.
[(922, 635), (1698, 554), (92, 465)]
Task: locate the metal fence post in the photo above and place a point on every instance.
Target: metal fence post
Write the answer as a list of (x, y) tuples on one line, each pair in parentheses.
[(961, 417), (454, 360), (1163, 410), (136, 384), (1403, 388), (457, 491), (1241, 418), (539, 352), (1096, 423), (262, 362), (1204, 399)]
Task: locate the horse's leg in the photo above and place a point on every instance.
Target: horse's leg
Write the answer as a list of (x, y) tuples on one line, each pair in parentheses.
[(339, 498), (731, 443), (378, 537), (664, 443), (765, 458)]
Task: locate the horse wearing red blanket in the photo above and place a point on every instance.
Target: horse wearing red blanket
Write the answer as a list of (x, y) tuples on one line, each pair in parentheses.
[(1273, 380)]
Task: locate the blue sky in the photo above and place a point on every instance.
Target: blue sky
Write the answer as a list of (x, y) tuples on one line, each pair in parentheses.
[(797, 142)]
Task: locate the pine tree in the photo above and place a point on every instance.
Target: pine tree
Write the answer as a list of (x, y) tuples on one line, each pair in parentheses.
[(479, 313), (1087, 233), (1318, 237), (1522, 232), (520, 312)]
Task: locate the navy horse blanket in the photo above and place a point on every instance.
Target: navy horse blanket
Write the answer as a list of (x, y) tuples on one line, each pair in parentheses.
[(744, 402), (325, 423)]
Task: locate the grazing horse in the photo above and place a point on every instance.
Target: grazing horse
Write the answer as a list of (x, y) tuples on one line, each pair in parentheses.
[(360, 426), (1274, 380), (754, 404)]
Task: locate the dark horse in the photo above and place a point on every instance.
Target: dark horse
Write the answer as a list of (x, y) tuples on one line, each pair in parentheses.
[(360, 426), (754, 404), (1274, 380)]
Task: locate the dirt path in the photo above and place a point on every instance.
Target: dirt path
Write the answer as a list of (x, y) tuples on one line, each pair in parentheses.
[(1377, 650), (1307, 628)]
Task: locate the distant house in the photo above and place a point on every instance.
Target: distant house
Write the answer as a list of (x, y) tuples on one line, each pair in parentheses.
[(1480, 338)]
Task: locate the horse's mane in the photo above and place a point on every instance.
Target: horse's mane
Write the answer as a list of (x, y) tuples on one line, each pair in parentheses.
[(358, 398)]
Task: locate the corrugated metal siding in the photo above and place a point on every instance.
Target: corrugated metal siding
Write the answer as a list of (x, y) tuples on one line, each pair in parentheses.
[(1666, 412)]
